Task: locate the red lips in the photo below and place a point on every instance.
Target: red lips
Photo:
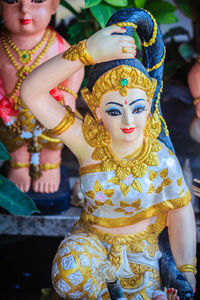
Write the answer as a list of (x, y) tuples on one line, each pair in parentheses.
[(25, 21), (128, 130)]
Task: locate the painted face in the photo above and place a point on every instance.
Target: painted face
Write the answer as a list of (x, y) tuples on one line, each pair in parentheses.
[(125, 117), (27, 16)]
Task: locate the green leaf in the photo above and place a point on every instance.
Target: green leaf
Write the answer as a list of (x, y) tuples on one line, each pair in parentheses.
[(117, 3), (168, 18), (15, 201), (140, 3), (4, 155), (186, 51), (102, 13), (185, 7), (91, 3), (175, 31), (162, 11), (137, 40)]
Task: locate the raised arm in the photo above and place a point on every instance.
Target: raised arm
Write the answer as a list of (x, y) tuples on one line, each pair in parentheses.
[(102, 46), (182, 235)]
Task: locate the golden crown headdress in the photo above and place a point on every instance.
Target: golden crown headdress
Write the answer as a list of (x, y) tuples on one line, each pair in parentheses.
[(119, 78)]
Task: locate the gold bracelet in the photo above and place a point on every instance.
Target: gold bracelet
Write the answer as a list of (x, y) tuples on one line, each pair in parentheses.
[(63, 88), (79, 51), (188, 268), (196, 100), (65, 123)]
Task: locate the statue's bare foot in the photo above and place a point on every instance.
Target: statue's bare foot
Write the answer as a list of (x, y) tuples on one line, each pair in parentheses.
[(172, 294), (20, 176), (50, 180)]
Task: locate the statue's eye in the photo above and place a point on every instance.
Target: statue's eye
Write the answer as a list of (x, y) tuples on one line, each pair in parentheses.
[(38, 1), (10, 1)]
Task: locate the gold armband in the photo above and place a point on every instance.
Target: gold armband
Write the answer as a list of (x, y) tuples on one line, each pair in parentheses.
[(196, 100), (188, 268), (65, 123), (79, 51), (63, 88)]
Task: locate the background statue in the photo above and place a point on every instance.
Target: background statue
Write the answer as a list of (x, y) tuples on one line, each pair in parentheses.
[(27, 42)]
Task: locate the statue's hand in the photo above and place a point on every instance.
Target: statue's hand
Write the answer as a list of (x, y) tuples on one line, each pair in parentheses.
[(103, 46), (197, 108), (190, 279)]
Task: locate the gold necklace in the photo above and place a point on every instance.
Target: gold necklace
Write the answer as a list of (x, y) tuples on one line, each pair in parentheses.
[(25, 55), (98, 137), (24, 70)]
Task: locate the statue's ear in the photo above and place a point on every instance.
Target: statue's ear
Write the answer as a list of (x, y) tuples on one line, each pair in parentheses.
[(98, 113), (54, 6)]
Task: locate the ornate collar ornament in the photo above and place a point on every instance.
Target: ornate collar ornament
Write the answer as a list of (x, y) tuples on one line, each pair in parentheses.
[(120, 78), (98, 137)]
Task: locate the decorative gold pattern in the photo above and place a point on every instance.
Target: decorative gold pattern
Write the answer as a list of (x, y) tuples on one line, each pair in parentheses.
[(79, 51), (111, 81), (124, 24), (24, 55), (100, 196), (153, 125), (128, 208), (155, 29), (98, 137), (179, 181), (149, 212), (152, 175), (158, 65), (63, 88), (65, 123), (157, 111)]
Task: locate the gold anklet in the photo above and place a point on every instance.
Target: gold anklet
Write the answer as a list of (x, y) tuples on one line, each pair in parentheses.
[(196, 100), (63, 88), (65, 123), (17, 165), (48, 166), (79, 51)]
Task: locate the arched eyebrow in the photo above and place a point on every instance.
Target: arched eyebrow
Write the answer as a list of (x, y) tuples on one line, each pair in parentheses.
[(116, 103), (134, 101)]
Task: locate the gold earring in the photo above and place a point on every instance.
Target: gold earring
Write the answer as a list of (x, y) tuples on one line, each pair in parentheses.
[(153, 125)]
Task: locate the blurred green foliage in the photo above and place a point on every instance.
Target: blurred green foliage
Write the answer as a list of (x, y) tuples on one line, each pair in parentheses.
[(11, 198)]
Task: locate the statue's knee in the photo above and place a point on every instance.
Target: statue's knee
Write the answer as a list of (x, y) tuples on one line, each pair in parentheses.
[(74, 267)]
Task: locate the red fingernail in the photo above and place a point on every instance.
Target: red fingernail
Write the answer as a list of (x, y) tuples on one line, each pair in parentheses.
[(174, 292), (123, 28), (195, 290)]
